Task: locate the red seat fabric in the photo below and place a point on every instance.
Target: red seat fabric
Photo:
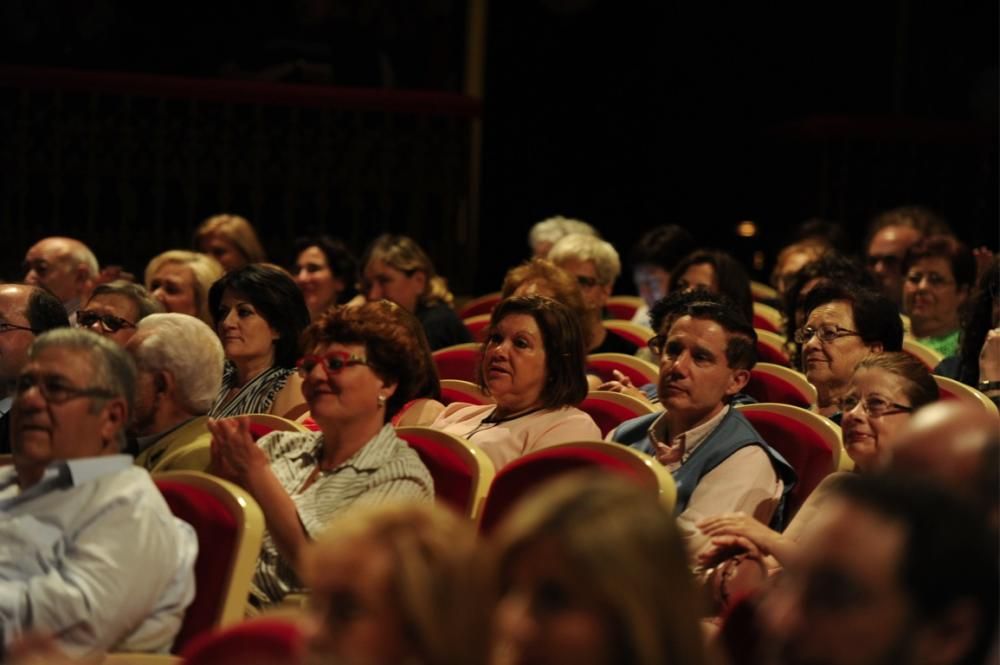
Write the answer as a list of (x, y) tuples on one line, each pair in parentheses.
[(265, 640), (621, 310), (523, 475), (457, 363), (768, 354), (481, 305), (607, 415), (453, 478), (801, 447), (603, 369), (769, 388), (217, 532), (765, 323), (477, 327), (449, 395)]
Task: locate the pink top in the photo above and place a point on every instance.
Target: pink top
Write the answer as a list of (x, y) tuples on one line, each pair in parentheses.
[(506, 441)]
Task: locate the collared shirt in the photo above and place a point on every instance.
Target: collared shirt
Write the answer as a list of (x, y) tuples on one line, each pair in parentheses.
[(5, 404), (92, 554), (384, 469), (675, 452)]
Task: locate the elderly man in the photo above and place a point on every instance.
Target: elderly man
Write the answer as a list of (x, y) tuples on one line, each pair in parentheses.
[(719, 461), (64, 266), (91, 553), (898, 572), (25, 311), (890, 235), (115, 308), (180, 361)]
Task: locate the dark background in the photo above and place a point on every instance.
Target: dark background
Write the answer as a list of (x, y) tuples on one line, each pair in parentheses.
[(624, 114)]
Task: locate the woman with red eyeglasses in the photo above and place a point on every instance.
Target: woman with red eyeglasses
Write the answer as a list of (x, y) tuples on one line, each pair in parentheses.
[(362, 364)]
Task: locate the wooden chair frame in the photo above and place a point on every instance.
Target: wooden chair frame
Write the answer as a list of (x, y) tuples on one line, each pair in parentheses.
[(476, 395), (773, 340), (631, 302), (965, 393), (770, 314), (925, 354), (633, 332)]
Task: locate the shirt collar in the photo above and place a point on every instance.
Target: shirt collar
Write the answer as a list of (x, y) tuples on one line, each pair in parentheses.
[(370, 457), (690, 439), (5, 404), (62, 473)]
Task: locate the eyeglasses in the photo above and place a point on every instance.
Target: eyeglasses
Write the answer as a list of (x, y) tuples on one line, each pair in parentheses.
[(934, 280), (826, 334), (587, 282), (7, 327), (332, 363), (888, 260), (656, 344), (55, 390), (109, 322), (873, 405)]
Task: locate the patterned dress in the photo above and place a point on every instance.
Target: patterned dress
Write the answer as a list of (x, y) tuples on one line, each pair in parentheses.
[(255, 397)]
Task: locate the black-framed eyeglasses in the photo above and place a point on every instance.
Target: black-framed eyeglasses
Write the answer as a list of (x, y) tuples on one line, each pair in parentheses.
[(587, 282), (332, 362), (826, 334), (874, 405), (109, 322), (55, 390), (657, 344), (7, 327)]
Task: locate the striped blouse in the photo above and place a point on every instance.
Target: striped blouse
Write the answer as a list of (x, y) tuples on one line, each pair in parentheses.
[(255, 397), (384, 469)]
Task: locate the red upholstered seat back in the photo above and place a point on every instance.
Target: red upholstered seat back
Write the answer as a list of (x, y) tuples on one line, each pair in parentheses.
[(607, 415), (524, 475), (259, 641), (764, 323), (629, 336), (258, 430), (449, 395), (603, 369), (457, 363), (801, 446), (768, 354), (453, 476), (769, 388), (218, 533), (621, 310)]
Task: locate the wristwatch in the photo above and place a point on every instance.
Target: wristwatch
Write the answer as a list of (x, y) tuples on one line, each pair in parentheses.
[(986, 386)]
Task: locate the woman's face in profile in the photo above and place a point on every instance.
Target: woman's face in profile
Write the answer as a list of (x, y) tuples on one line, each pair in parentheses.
[(544, 614), (174, 286), (224, 251), (317, 282)]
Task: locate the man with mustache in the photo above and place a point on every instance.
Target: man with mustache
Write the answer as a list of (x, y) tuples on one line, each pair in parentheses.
[(719, 462)]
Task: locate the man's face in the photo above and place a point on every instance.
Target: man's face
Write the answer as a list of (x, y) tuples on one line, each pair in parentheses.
[(144, 401), (595, 294), (49, 264), (695, 376), (885, 255), (14, 342), (841, 603), (65, 424), (651, 281)]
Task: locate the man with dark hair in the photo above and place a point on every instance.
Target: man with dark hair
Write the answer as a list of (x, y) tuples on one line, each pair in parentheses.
[(652, 258), (899, 572), (25, 311), (719, 462), (890, 235)]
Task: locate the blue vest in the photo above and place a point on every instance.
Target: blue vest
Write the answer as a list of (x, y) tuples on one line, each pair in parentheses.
[(732, 434)]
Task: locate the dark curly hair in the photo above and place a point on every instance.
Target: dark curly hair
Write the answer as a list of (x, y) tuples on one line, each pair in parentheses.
[(395, 345), (275, 296), (562, 336), (732, 278), (339, 259)]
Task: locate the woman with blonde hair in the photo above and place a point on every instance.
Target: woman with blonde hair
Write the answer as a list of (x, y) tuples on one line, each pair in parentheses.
[(396, 268), (180, 280), (591, 570), (390, 584), (231, 239)]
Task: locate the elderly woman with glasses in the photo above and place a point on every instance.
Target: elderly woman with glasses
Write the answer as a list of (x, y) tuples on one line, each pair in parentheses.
[(940, 272), (115, 308), (362, 365), (844, 324)]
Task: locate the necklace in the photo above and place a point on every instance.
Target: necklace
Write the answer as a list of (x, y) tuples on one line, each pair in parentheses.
[(493, 420)]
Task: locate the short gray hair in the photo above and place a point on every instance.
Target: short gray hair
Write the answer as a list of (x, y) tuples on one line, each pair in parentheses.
[(187, 348), (551, 230), (113, 369), (145, 304), (579, 247)]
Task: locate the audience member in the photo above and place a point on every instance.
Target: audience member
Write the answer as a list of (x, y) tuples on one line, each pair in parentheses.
[(843, 324), (716, 272), (719, 461), (548, 232), (326, 273), (793, 258), (64, 266), (590, 569), (533, 368), (179, 361), (391, 584), (259, 316), (652, 258), (977, 362), (92, 553), (231, 240), (900, 571), (595, 265), (541, 277), (115, 308), (180, 280), (890, 235), (396, 268), (363, 364), (940, 271), (25, 311)]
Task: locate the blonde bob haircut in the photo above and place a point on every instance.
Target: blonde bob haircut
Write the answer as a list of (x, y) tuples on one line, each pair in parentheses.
[(577, 247), (431, 552), (621, 549), (206, 271), (236, 230), (405, 255)]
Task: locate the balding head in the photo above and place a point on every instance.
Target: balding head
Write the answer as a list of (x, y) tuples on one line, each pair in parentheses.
[(957, 444), (64, 266)]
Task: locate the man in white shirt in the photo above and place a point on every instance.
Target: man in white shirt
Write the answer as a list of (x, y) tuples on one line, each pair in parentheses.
[(89, 551)]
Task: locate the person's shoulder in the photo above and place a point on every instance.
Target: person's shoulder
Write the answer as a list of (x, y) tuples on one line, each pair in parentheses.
[(628, 428)]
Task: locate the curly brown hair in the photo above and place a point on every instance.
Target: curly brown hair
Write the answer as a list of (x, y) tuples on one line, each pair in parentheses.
[(395, 345), (551, 281)]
